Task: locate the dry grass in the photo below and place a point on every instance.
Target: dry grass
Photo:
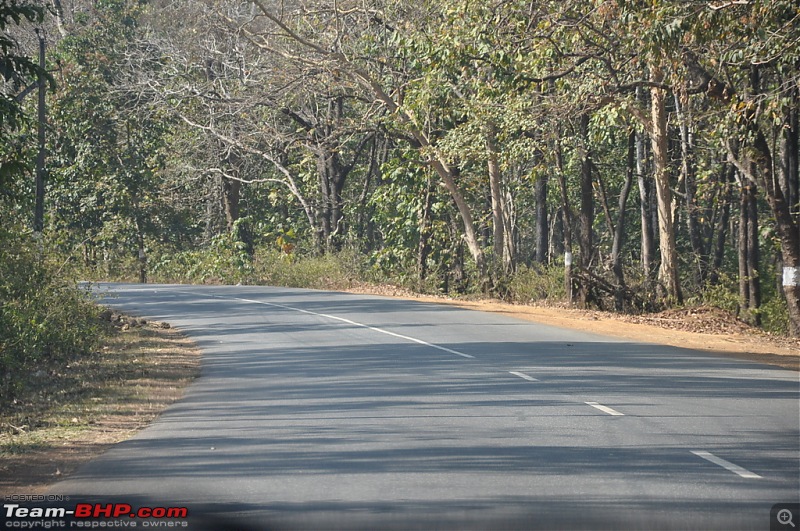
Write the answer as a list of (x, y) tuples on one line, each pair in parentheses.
[(92, 403)]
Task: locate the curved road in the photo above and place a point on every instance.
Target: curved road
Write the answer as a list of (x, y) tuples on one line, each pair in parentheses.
[(321, 410)]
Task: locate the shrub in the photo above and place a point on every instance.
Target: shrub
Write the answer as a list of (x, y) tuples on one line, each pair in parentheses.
[(530, 284), (225, 261), (329, 271), (45, 318)]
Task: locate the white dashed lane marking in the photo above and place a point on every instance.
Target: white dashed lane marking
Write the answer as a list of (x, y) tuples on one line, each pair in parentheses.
[(727, 465), (523, 376), (605, 409), (354, 323)]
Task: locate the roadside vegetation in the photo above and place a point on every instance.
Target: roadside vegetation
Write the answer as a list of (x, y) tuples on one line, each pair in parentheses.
[(46, 322), (66, 411), (612, 155)]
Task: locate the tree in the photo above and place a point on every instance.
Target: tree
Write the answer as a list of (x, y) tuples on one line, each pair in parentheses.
[(19, 75), (500, 131), (761, 102), (108, 143)]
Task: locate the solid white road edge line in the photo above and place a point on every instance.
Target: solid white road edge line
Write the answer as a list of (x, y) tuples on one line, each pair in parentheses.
[(354, 323), (523, 376), (605, 409), (736, 469)]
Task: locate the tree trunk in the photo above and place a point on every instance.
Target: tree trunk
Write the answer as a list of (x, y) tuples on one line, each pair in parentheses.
[(668, 270), (434, 157), (749, 284), (510, 244), (324, 228), (214, 224), (722, 224), (470, 235), (648, 244), (688, 177), (786, 227), (142, 255), (366, 226), (753, 255), (790, 184), (498, 222), (424, 247), (790, 148), (775, 189), (542, 226), (331, 178), (586, 216), (619, 230), (231, 195), (58, 11), (566, 214)]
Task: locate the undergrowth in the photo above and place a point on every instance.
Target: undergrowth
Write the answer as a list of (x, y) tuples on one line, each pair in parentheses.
[(46, 320), (228, 261)]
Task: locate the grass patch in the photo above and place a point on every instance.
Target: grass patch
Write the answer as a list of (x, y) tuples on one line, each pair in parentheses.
[(77, 409)]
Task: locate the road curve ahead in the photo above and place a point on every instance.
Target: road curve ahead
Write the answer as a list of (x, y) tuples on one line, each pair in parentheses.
[(322, 410)]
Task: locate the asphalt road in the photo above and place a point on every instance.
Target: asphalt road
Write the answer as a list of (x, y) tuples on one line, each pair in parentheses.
[(321, 410)]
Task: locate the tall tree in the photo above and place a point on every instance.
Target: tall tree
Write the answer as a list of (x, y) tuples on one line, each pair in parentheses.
[(19, 76)]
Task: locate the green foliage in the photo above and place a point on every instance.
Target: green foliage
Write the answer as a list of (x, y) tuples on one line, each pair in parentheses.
[(225, 260), (163, 135), (398, 207), (537, 284), (329, 271), (724, 295), (775, 316), (17, 73), (44, 316), (108, 144)]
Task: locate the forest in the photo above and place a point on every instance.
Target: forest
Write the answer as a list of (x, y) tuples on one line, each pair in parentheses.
[(625, 155)]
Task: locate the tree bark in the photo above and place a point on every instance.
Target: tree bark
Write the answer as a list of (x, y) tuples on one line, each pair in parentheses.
[(58, 11), (586, 240), (749, 283), (668, 269), (790, 185), (231, 195), (753, 255), (495, 187), (775, 188), (688, 177), (788, 232), (722, 223), (542, 225), (566, 214), (778, 192), (619, 230), (424, 247), (648, 244)]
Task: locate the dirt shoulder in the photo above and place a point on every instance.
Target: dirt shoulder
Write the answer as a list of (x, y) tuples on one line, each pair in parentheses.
[(96, 403), (703, 329)]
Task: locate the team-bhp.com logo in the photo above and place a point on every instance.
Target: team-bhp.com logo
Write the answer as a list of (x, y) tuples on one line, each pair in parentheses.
[(90, 515)]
